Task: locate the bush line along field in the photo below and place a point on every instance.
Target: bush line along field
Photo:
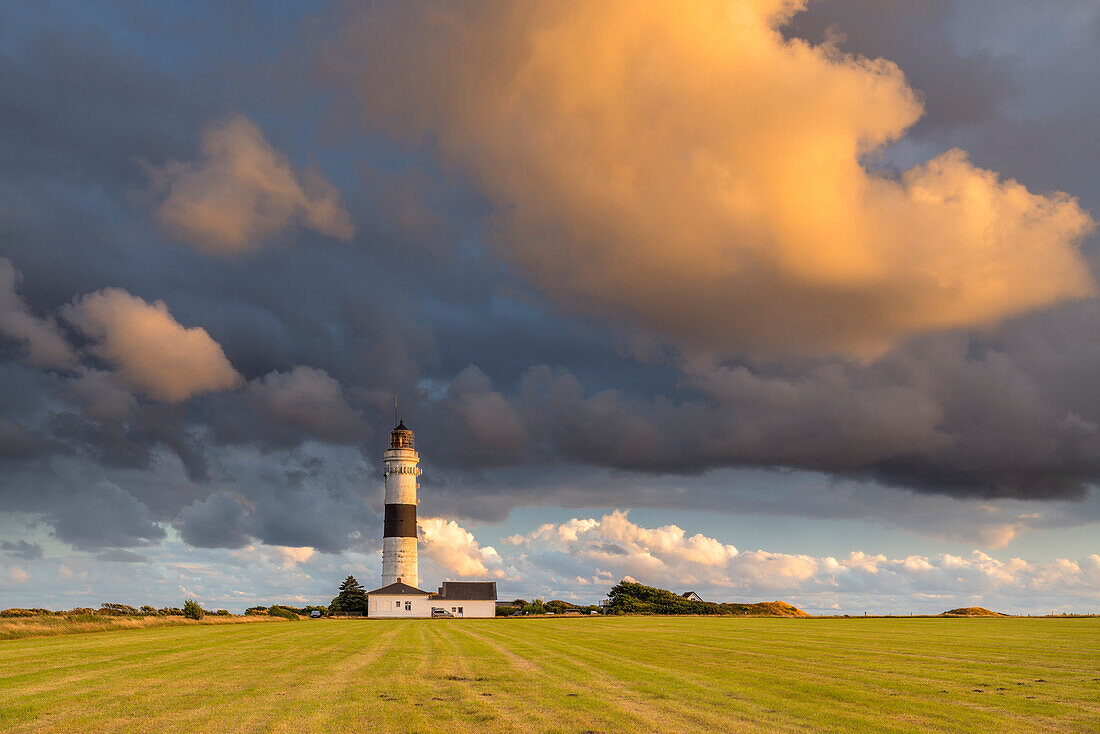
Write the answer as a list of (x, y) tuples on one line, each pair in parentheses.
[(599, 674), (66, 624)]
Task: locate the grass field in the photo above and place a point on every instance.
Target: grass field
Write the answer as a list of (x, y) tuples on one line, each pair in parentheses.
[(633, 674)]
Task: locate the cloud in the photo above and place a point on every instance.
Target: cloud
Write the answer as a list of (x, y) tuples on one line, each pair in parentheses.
[(118, 555), (958, 88), (243, 192), (294, 556), (153, 352), (314, 495), (586, 551), (17, 575), (455, 550), (694, 172), (219, 521), (104, 516), (16, 442), (21, 549), (45, 344), (282, 409)]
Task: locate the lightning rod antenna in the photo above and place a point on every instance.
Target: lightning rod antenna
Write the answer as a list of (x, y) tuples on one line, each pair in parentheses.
[(395, 410)]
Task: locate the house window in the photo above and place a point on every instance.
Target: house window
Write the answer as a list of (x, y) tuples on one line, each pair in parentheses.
[(408, 606), (453, 610), (397, 604), (460, 610)]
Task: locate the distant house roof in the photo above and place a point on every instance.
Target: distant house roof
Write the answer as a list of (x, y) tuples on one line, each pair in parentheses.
[(467, 591), (398, 589), (691, 595)]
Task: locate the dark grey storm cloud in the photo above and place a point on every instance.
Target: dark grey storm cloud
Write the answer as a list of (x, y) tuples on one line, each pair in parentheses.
[(959, 87), (21, 549), (317, 497), (104, 515), (503, 389)]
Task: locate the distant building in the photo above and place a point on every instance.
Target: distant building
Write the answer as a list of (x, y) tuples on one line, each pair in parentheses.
[(691, 596)]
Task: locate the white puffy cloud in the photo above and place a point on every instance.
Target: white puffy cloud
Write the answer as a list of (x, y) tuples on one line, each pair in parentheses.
[(456, 551), (17, 575), (242, 192), (43, 340), (294, 556), (153, 352), (564, 558)]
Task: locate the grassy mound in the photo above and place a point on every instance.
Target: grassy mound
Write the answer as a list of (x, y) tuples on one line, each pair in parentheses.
[(972, 612), (773, 609)]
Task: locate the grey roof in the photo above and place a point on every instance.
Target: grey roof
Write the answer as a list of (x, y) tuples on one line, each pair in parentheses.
[(398, 589), (468, 591)]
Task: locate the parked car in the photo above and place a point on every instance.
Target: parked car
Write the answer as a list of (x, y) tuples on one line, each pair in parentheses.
[(436, 612), (315, 614)]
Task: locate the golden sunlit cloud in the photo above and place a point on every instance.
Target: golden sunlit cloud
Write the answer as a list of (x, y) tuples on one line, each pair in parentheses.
[(455, 550), (243, 192), (683, 166), (152, 351)]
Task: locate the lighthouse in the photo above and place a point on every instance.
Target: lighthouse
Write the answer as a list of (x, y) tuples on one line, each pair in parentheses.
[(400, 594), (399, 557)]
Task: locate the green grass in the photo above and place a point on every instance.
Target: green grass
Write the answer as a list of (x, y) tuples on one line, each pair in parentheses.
[(632, 674)]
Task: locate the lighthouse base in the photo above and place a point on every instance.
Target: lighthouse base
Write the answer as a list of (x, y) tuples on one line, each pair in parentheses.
[(399, 561)]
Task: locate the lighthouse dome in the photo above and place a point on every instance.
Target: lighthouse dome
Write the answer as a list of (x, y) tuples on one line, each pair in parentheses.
[(402, 438)]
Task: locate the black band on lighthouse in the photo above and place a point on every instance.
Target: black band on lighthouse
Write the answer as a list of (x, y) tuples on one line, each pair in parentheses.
[(400, 521)]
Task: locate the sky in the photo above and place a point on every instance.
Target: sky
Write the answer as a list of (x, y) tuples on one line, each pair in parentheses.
[(765, 299)]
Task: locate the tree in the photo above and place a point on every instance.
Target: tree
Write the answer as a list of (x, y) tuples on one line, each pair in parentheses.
[(192, 610), (352, 598), (535, 607)]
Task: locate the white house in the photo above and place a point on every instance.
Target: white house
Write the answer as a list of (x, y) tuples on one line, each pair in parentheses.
[(459, 598), (467, 598), (398, 600)]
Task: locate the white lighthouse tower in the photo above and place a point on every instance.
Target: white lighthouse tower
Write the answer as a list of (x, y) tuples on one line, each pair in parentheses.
[(399, 556)]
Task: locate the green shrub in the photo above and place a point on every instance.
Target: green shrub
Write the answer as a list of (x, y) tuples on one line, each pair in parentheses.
[(118, 610), (279, 611), (192, 610), (84, 616), (222, 613), (17, 613)]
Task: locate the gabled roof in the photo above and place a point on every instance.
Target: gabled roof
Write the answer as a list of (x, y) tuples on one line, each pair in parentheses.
[(398, 589), (467, 591)]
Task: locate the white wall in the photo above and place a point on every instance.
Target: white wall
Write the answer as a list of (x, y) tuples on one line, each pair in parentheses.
[(479, 608), (394, 606)]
